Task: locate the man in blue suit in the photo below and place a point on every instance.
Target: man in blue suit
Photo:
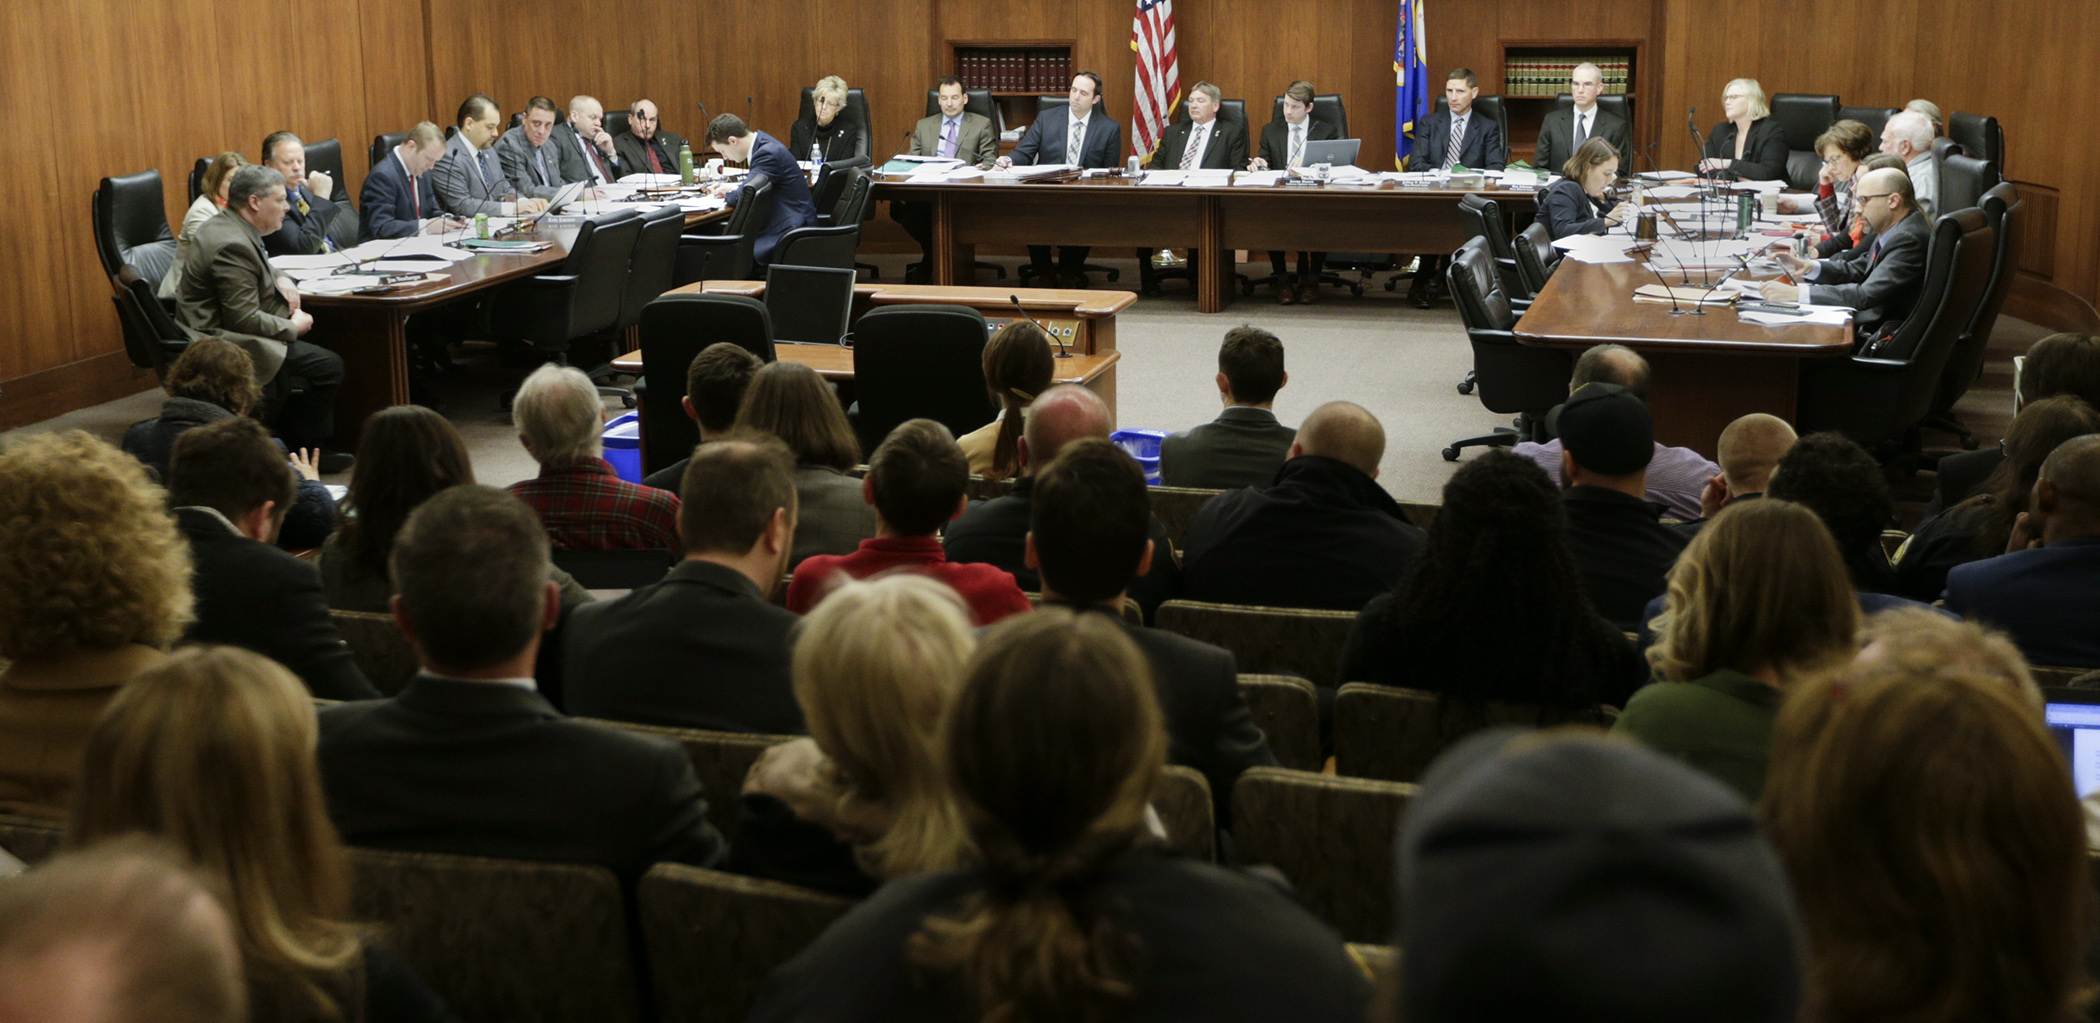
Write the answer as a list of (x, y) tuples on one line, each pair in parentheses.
[(1455, 136), (792, 205), (398, 200), (2046, 592), (1076, 134)]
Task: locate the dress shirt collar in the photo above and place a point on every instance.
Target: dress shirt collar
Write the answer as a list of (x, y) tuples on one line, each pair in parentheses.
[(526, 683), (1248, 414), (216, 514), (405, 172)]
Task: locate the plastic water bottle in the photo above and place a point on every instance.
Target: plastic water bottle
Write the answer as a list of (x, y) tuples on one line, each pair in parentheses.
[(685, 163)]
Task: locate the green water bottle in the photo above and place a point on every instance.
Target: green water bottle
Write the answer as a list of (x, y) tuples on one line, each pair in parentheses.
[(685, 163)]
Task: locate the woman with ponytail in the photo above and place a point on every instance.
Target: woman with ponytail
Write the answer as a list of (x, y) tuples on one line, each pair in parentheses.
[(1076, 912), (1017, 367)]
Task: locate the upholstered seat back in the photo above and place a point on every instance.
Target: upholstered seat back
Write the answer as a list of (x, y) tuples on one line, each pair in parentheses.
[(131, 226)]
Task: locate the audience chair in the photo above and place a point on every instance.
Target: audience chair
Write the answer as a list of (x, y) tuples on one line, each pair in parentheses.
[(1331, 837), (713, 938), (2002, 208), (832, 246), (1392, 734), (1880, 395), (131, 227), (1378, 961), (980, 489), (579, 300), (721, 760), (920, 361), (1132, 613), (504, 940), (151, 337), (381, 146), (1802, 117), (1176, 507), (1288, 710), (617, 569), (35, 839), (1980, 136), (1185, 810), (1306, 642), (673, 329), (728, 256), (1536, 257), (1875, 118), (1421, 515), (1512, 378), (379, 648), (856, 108)]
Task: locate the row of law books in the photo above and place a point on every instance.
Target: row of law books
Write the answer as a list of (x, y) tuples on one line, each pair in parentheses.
[(1548, 76), (1015, 70)]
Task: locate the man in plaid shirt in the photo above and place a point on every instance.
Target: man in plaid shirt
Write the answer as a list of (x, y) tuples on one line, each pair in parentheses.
[(579, 499)]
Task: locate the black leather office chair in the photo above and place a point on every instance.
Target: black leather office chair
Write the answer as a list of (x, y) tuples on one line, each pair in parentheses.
[(151, 337), (616, 122), (832, 246), (1513, 378), (1536, 257), (674, 329), (1875, 118), (831, 184), (727, 256), (1963, 181), (914, 361), (197, 177), (1613, 103), (652, 264), (1043, 105), (2002, 210), (1980, 136), (131, 226), (1326, 106), (1485, 217), (382, 145), (1801, 118), (856, 108), (327, 156), (975, 101), (580, 299), (1879, 397)]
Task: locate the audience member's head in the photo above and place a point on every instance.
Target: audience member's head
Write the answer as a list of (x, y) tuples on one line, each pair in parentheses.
[(1569, 876), (1054, 748), (89, 557), (1916, 642), (876, 666), (1761, 590), (559, 417), (1018, 368), (1060, 415), (2062, 364), (234, 468), (215, 370), (737, 504), (2039, 428), (2066, 498), (791, 402), (405, 454), (1611, 364), (1501, 531), (1250, 367), (1345, 432), (917, 479), (1750, 449), (1090, 523), (1607, 439), (715, 382), (470, 581), (1934, 839), (1837, 479), (214, 752), (117, 934)]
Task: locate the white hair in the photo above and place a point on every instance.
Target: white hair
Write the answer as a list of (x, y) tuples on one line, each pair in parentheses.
[(1589, 67), (559, 415), (1912, 127)]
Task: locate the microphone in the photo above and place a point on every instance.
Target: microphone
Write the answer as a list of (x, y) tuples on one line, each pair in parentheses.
[(1062, 353)]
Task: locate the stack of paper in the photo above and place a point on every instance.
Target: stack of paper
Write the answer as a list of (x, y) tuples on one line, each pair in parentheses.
[(1259, 179), (649, 180), (1163, 177), (1041, 170), (1820, 315), (1207, 178), (1591, 248), (935, 169)]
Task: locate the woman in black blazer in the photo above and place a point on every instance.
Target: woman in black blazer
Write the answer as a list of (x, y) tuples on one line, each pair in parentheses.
[(830, 131), (1749, 145), (1576, 204)]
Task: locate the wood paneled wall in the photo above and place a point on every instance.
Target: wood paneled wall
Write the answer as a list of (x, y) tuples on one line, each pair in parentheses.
[(157, 85)]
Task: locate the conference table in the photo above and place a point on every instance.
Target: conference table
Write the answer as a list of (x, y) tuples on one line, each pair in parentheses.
[(1121, 211)]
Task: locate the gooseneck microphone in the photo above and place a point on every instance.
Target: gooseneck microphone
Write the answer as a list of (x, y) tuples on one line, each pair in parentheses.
[(1062, 353)]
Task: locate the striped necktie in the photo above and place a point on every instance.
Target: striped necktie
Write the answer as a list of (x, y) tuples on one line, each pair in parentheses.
[(1458, 137), (1194, 146), (1075, 135), (1297, 145)]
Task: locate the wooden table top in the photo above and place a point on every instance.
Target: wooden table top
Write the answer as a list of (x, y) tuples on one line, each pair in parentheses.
[(1084, 303), (1591, 303), (834, 362)]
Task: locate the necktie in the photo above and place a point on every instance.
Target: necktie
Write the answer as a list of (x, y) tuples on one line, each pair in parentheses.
[(1582, 129), (1458, 135), (488, 170), (656, 166), (415, 197), (948, 140), (1075, 134), (604, 175), (539, 165), (1195, 145), (1297, 145), (1874, 254), (304, 209)]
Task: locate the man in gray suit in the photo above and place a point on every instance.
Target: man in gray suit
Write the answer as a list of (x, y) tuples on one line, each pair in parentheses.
[(1560, 136), (469, 178), (1245, 445), (954, 132), (584, 146), (528, 162), (645, 147), (229, 289)]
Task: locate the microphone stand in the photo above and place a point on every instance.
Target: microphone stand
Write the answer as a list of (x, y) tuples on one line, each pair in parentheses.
[(1683, 270), (1062, 353)]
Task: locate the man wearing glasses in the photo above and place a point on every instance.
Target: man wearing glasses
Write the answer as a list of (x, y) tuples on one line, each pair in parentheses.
[(1880, 279)]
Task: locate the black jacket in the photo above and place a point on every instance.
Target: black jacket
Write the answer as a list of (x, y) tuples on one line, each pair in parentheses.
[(307, 523), (993, 533), (1764, 156), (841, 138), (700, 649), (1960, 476), (1227, 149), (250, 594), (1325, 535), (1243, 447), (1568, 210), (633, 158), (491, 769), (1622, 549)]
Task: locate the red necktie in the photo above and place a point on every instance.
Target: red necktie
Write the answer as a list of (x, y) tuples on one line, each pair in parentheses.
[(655, 166), (600, 161), (415, 197)]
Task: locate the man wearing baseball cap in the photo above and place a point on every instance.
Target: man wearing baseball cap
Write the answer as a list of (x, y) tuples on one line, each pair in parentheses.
[(1621, 547)]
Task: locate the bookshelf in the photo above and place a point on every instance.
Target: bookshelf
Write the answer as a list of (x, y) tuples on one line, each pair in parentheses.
[(1016, 71), (1535, 72)]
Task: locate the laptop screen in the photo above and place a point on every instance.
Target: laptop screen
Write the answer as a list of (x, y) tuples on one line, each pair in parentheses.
[(2076, 729), (809, 304)]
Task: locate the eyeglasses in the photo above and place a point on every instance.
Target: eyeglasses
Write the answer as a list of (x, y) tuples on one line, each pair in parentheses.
[(1732, 95), (1865, 199)]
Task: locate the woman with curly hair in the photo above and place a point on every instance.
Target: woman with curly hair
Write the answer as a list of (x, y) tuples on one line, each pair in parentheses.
[(94, 585)]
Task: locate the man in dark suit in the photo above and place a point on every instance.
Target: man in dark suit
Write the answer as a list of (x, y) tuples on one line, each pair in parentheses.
[(1622, 550), (469, 758), (230, 485), (954, 132), (703, 648), (314, 220), (994, 532), (2047, 595), (645, 147), (1564, 131), (1245, 445), (1205, 141), (1078, 134), (1090, 537), (793, 206), (229, 289), (1882, 281), (585, 148), (1324, 535), (1283, 146), (527, 160), (398, 200), (1456, 136)]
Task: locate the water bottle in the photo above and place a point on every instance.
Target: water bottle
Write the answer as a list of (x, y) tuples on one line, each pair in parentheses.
[(685, 163), (1745, 213)]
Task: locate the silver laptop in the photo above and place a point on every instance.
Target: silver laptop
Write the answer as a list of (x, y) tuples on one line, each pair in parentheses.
[(1339, 152)]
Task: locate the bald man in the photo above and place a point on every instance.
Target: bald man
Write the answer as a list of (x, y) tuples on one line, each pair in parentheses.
[(1749, 449), (585, 148), (2045, 591), (1676, 476), (1325, 534), (995, 532), (1880, 279)]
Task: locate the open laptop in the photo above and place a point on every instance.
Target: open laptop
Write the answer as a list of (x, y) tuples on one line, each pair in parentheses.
[(2073, 717), (1339, 152), (809, 304)]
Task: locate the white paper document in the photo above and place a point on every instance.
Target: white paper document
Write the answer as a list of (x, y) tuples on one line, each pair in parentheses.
[(933, 170), (1163, 177), (1671, 191), (1819, 315), (1207, 178), (649, 180), (1041, 170), (1258, 179)]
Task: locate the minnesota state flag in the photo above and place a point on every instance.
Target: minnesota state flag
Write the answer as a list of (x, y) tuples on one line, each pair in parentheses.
[(1410, 79)]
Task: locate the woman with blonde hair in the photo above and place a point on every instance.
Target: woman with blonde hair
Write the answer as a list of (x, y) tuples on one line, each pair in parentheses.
[(1017, 367), (830, 132), (94, 585), (1054, 748), (1933, 837), (791, 402), (1749, 145), (213, 751), (1758, 601), (211, 198), (863, 798)]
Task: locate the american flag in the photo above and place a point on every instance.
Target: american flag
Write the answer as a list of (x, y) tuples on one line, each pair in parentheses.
[(1158, 73)]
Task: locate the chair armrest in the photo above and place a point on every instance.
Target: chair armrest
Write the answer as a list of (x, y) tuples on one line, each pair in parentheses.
[(1520, 305), (548, 282), (1492, 337), (707, 241)]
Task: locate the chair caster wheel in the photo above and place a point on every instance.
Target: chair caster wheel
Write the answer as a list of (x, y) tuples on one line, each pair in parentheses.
[(1451, 453), (1465, 387), (1356, 290)]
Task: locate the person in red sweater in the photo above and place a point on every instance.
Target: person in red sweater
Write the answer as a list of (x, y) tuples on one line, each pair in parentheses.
[(916, 481)]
